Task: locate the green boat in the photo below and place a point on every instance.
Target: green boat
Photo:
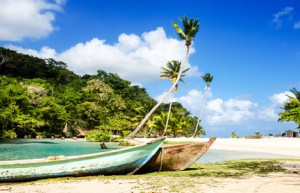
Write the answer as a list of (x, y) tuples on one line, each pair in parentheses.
[(121, 161)]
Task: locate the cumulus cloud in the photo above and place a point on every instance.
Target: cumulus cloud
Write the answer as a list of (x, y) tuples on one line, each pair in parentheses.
[(277, 101), (134, 58), (232, 111), (27, 18), (278, 17), (281, 98), (44, 52), (194, 101), (235, 114), (297, 25)]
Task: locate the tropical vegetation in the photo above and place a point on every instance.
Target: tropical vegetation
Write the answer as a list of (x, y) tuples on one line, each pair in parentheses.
[(41, 97), (187, 34), (171, 72), (291, 109)]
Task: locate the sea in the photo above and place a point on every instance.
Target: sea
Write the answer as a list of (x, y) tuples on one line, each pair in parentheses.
[(20, 149)]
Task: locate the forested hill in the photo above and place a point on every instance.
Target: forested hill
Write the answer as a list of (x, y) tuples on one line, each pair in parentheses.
[(20, 65), (41, 97)]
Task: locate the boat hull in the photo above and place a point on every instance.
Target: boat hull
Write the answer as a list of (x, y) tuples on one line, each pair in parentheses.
[(121, 161), (177, 157)]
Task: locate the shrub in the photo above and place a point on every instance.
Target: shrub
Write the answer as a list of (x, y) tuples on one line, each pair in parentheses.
[(97, 136), (125, 133), (10, 134)]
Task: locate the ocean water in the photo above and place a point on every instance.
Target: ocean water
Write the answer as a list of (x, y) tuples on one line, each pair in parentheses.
[(33, 148), (216, 155), (20, 149)]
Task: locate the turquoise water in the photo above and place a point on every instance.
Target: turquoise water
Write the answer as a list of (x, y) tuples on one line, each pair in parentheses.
[(32, 148), (214, 155)]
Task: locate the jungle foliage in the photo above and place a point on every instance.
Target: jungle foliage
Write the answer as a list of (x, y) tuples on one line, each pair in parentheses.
[(41, 97)]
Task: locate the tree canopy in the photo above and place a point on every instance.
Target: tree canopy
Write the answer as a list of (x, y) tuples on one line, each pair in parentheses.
[(41, 97)]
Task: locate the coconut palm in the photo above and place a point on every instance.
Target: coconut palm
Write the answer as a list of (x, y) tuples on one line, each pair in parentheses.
[(171, 72), (292, 109), (207, 78), (188, 33), (158, 122)]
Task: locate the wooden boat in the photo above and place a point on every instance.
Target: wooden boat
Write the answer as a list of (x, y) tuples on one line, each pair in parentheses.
[(177, 157), (121, 161)]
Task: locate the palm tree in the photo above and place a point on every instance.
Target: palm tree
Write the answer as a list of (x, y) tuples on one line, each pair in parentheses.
[(188, 33), (292, 109), (207, 78), (171, 72), (158, 122)]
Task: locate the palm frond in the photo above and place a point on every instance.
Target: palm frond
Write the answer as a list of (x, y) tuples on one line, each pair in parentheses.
[(179, 31)]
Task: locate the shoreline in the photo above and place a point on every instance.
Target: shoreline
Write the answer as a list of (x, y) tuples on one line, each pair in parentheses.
[(282, 145), (278, 181)]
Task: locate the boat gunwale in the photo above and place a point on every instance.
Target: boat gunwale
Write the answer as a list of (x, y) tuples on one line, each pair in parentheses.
[(184, 145)]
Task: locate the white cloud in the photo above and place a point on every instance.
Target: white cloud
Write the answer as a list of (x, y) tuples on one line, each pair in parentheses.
[(281, 98), (45, 52), (60, 2), (27, 19), (282, 15), (297, 25), (232, 111), (271, 112), (134, 58), (193, 101)]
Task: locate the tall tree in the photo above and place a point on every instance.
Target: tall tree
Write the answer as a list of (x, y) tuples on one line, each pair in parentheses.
[(291, 109), (171, 72), (188, 33), (207, 78)]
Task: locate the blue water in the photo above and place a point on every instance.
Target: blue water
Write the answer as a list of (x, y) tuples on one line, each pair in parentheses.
[(34, 148), (214, 155)]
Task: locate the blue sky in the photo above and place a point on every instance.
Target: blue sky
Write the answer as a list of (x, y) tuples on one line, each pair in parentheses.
[(252, 48)]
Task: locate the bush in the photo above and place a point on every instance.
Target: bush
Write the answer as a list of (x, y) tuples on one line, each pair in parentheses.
[(97, 136), (126, 132), (10, 134)]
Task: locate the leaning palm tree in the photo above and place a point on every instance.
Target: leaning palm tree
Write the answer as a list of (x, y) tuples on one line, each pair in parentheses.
[(291, 109), (188, 33), (171, 72), (207, 78)]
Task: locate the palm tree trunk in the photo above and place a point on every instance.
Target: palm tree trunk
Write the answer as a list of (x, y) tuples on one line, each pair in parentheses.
[(201, 112), (131, 135), (169, 112)]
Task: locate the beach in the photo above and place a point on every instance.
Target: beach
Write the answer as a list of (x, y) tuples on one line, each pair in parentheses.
[(287, 180)]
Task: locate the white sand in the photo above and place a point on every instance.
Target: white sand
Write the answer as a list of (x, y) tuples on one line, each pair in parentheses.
[(282, 146), (275, 182)]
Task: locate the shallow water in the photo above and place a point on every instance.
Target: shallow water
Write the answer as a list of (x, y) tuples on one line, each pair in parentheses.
[(215, 155), (32, 148)]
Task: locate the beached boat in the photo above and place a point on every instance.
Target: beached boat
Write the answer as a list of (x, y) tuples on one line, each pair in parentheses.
[(121, 161), (177, 157)]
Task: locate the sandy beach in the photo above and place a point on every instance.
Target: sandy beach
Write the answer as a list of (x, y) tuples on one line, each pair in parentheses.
[(286, 181), (284, 146)]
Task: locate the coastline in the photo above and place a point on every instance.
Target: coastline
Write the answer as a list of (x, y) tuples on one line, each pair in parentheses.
[(278, 181), (285, 146)]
